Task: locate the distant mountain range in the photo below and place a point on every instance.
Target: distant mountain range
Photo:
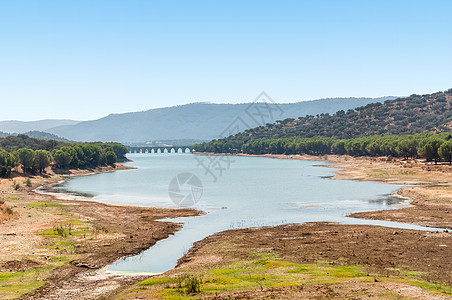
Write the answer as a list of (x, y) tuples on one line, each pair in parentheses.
[(200, 121), (41, 125), (195, 121)]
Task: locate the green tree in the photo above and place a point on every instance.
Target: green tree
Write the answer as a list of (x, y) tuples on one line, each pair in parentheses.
[(338, 147), (430, 149), (62, 158), (13, 160), (42, 160), (407, 148), (5, 163), (26, 158), (92, 155), (72, 154), (110, 158), (445, 151), (80, 155), (373, 149), (119, 149)]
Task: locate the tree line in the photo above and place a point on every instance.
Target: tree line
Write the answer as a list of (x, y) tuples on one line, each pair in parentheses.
[(430, 146), (16, 142), (43, 154)]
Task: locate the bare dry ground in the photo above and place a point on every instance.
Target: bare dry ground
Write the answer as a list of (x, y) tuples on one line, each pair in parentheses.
[(56, 249), (311, 261)]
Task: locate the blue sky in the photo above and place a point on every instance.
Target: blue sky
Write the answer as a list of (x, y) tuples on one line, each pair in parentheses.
[(86, 59)]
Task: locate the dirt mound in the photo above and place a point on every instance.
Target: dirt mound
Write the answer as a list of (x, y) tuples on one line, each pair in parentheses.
[(6, 213), (19, 265)]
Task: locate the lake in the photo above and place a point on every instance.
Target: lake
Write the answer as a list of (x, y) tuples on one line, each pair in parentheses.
[(237, 192)]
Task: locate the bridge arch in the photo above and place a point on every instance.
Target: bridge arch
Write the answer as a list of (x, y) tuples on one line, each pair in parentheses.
[(160, 149)]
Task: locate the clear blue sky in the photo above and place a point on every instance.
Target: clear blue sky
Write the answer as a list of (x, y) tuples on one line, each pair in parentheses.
[(86, 59)]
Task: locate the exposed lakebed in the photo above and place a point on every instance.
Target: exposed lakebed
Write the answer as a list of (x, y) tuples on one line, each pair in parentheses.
[(237, 192)]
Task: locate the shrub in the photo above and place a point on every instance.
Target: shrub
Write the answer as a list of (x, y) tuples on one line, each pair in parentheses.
[(16, 186), (28, 182), (191, 283)]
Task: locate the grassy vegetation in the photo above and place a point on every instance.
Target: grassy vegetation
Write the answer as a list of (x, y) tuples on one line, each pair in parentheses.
[(69, 228), (41, 204), (434, 287), (265, 271), (15, 284), (63, 239), (60, 240), (12, 198), (386, 173)]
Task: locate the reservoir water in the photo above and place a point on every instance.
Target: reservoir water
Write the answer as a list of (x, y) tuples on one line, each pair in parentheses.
[(248, 192)]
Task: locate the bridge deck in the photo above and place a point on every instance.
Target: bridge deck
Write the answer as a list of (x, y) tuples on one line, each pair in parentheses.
[(160, 149)]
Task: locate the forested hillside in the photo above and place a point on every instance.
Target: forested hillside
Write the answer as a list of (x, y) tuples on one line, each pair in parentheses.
[(13, 143), (37, 134), (414, 114), (416, 126), (45, 136)]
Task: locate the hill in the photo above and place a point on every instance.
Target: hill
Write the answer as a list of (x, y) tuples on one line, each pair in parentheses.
[(418, 126), (44, 136), (413, 114), (199, 121), (36, 134), (41, 125)]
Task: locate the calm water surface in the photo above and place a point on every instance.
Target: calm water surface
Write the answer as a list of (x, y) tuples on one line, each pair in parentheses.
[(253, 192)]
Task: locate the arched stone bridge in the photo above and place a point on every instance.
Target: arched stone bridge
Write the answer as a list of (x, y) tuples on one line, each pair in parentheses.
[(160, 149)]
